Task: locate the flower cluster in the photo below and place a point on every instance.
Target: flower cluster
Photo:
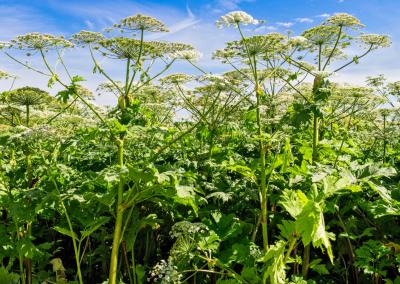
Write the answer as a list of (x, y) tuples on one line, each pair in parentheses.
[(28, 96), (235, 18), (169, 49), (124, 48), (344, 20), (190, 55), (83, 38), (298, 41), (140, 22), (166, 273), (38, 41), (323, 74), (394, 88), (30, 135), (187, 228), (176, 78), (375, 40), (321, 34), (255, 251), (108, 87)]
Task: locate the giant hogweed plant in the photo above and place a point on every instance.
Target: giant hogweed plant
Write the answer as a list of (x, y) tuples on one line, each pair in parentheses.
[(255, 58), (326, 45)]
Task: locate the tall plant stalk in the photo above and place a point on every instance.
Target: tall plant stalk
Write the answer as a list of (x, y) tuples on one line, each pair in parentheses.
[(119, 218)]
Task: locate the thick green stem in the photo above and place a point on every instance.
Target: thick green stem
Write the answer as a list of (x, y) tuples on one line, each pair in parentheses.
[(119, 218), (212, 135), (292, 245), (263, 186), (306, 261), (28, 158), (307, 248), (27, 115), (315, 139), (384, 139)]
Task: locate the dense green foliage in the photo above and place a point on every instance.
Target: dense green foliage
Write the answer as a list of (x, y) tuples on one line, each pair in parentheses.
[(268, 173)]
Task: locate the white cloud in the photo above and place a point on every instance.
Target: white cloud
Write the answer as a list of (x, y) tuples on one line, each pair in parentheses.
[(89, 24), (324, 15), (231, 4), (265, 28), (285, 24), (304, 20)]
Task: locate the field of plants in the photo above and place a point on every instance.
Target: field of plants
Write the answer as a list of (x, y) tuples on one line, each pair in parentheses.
[(267, 173)]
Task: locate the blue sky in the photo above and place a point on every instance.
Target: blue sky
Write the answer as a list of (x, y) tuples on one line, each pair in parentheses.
[(192, 21)]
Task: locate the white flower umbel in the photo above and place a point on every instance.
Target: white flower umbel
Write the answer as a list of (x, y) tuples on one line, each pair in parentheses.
[(38, 41), (344, 20), (190, 55), (141, 22), (375, 40), (176, 78), (298, 40), (235, 18), (86, 37)]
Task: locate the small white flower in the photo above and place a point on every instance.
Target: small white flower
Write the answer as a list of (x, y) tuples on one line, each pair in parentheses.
[(236, 17)]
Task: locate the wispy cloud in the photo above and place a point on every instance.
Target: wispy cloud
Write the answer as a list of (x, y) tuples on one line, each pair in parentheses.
[(265, 28), (285, 24), (231, 4), (324, 15), (304, 20)]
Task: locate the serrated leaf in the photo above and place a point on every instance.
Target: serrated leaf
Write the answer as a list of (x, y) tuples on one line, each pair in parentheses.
[(66, 232)]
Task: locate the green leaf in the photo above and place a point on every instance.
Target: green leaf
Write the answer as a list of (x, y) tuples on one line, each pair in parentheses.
[(76, 79), (94, 226), (26, 248), (66, 232), (274, 263), (8, 277), (52, 80), (186, 196)]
